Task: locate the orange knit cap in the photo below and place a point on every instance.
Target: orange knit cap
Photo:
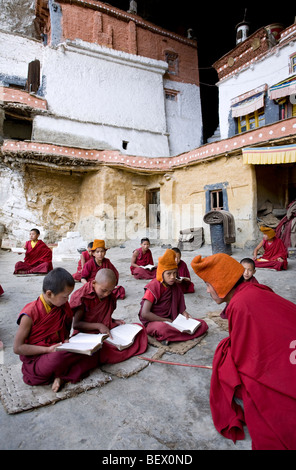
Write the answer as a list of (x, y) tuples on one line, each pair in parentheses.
[(268, 231), (98, 244), (219, 270), (167, 262)]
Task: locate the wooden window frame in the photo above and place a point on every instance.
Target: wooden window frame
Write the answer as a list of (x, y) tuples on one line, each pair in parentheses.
[(256, 118)]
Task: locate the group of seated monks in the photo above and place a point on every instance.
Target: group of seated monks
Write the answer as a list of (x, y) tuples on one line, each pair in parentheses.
[(254, 369)]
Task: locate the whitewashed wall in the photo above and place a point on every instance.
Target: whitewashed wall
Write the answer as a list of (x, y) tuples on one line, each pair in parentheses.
[(184, 119), (273, 68)]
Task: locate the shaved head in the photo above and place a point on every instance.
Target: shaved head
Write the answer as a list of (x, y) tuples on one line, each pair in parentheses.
[(106, 275)]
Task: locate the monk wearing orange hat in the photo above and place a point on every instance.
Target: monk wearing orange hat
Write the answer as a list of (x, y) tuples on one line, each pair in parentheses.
[(275, 253), (97, 262), (254, 373), (163, 301)]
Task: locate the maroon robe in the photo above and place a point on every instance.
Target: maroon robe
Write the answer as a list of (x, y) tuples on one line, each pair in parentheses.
[(100, 311), (91, 268), (142, 260), (38, 260), (187, 287), (1, 290), (256, 363), (272, 251), (87, 257), (169, 302), (47, 329)]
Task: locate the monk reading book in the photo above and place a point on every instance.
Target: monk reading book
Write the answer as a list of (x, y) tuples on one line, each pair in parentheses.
[(84, 257), (99, 261), (38, 257), (45, 324), (254, 366), (183, 277), (141, 259), (93, 305), (275, 253), (163, 301)]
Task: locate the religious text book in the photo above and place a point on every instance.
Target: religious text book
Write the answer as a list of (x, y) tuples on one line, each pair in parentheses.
[(84, 343), (124, 335), (185, 325), (148, 266)]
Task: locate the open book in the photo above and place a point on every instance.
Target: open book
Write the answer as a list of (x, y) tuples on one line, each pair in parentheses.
[(148, 266), (84, 343), (182, 278), (185, 325), (123, 336)]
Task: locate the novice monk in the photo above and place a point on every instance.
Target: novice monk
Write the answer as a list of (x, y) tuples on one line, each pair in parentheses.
[(249, 270), (275, 253), (142, 257), (84, 257), (97, 262), (186, 285), (256, 363), (44, 324), (38, 257), (93, 305), (163, 301)]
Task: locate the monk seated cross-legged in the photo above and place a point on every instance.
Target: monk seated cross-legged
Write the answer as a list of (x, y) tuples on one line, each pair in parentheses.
[(38, 257), (254, 369), (163, 301), (183, 277), (275, 253), (45, 324), (93, 305), (143, 257), (99, 261)]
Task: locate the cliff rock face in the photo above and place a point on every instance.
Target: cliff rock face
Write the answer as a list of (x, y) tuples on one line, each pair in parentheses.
[(18, 16)]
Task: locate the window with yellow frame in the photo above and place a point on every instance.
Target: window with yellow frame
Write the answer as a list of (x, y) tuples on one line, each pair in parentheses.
[(251, 121)]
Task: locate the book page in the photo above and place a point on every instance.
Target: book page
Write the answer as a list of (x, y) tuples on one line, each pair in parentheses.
[(124, 334), (83, 342)]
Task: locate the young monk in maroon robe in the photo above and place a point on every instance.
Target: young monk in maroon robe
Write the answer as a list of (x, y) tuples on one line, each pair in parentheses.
[(84, 258), (254, 366), (38, 257), (142, 257), (93, 305), (97, 262), (186, 285), (275, 253), (163, 301), (44, 324)]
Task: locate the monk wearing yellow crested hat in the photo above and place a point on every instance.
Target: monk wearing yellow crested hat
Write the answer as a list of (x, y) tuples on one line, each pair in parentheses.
[(253, 382), (275, 253), (163, 301)]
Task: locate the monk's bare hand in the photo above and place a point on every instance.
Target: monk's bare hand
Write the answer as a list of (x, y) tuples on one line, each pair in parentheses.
[(53, 347)]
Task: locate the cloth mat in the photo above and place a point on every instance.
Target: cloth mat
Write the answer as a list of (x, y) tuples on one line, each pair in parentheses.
[(176, 347), (17, 396)]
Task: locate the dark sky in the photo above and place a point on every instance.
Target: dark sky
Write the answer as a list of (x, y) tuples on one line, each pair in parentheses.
[(214, 28)]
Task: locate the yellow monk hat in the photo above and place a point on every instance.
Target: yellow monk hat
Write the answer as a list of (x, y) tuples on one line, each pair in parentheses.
[(219, 270), (167, 262), (98, 244), (268, 231)]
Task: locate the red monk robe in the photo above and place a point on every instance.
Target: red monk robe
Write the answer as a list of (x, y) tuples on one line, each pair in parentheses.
[(100, 311), (47, 329), (168, 302), (273, 249), (1, 290), (187, 287), (256, 363), (38, 260), (87, 256), (91, 268), (142, 260)]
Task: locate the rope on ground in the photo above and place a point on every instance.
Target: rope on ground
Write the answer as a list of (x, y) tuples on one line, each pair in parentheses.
[(174, 363)]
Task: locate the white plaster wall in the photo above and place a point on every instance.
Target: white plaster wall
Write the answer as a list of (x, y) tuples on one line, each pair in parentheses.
[(270, 70), (16, 52), (184, 118), (120, 93)]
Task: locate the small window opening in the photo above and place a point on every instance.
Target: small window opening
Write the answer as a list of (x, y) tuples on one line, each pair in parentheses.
[(17, 127), (217, 200), (124, 144)]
